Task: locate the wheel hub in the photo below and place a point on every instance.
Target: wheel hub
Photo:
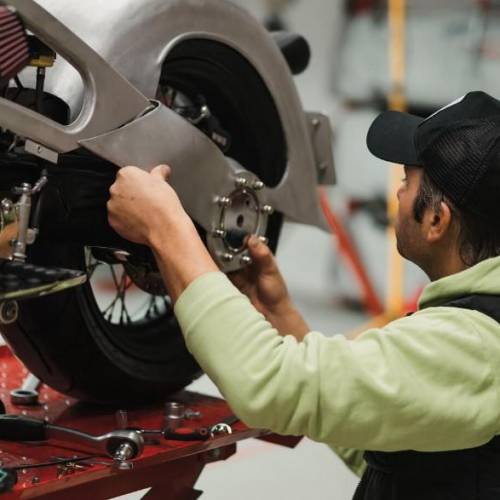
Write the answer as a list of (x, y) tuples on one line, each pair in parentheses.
[(242, 212)]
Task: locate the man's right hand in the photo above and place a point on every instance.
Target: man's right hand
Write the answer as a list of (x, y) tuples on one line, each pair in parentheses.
[(263, 283)]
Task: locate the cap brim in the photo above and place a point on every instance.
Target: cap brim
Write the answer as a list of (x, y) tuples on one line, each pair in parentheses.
[(392, 137)]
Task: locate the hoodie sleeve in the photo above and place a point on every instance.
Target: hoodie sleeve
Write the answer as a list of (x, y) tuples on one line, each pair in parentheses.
[(420, 383)]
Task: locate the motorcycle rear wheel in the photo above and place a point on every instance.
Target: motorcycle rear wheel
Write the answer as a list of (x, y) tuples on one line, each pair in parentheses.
[(64, 338)]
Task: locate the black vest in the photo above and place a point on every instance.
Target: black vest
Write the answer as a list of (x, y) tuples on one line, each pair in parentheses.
[(472, 474)]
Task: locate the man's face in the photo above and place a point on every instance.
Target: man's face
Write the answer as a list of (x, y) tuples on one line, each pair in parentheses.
[(409, 237)]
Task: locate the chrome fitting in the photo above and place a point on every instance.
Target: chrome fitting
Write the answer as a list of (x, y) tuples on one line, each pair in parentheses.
[(224, 201), (246, 260), (267, 210), (258, 185), (122, 456), (241, 182), (219, 233), (227, 257)]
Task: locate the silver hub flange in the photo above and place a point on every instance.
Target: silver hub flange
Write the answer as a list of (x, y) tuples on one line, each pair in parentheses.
[(240, 213)]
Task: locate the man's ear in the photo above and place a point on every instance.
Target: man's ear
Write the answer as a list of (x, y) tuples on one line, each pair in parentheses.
[(440, 223)]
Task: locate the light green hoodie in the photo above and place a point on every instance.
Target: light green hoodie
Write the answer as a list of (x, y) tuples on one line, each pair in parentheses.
[(426, 382)]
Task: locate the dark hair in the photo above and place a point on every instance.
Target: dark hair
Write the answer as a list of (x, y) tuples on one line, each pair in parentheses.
[(478, 239)]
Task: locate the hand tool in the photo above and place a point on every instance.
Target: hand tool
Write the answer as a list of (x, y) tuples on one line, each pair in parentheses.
[(121, 445)]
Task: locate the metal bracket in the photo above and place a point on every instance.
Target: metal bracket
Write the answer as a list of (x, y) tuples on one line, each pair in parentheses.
[(322, 141)]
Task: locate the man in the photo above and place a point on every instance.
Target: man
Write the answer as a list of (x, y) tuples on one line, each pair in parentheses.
[(429, 382)]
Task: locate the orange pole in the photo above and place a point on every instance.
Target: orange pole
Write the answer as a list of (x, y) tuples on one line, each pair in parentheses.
[(394, 303), (397, 101)]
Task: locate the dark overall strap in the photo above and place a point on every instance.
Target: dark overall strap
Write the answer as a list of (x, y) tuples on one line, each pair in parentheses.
[(472, 474), (486, 304)]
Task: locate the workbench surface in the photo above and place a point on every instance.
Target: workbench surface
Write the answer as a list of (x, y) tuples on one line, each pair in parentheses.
[(171, 467)]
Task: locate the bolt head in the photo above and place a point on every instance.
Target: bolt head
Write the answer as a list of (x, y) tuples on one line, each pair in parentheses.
[(227, 257), (219, 233), (246, 260), (258, 185), (267, 209), (241, 182), (224, 201)]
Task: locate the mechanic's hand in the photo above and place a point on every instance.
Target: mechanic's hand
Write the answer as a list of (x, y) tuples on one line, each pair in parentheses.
[(143, 202), (262, 281), (264, 285)]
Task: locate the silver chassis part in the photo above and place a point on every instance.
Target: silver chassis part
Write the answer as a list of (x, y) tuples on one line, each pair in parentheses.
[(240, 208), (155, 135)]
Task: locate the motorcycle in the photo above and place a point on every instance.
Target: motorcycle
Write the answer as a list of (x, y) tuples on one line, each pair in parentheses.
[(89, 87)]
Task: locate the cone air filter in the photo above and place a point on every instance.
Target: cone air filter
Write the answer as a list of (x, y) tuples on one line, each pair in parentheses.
[(14, 50)]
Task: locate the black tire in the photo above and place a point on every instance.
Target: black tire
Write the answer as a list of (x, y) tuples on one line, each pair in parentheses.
[(63, 338)]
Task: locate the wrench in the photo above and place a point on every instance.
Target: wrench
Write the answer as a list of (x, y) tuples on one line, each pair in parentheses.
[(121, 445)]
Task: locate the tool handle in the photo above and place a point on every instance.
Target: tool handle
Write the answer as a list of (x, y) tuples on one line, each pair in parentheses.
[(17, 428)]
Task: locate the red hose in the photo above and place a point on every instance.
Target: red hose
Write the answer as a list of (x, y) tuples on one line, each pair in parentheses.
[(348, 251)]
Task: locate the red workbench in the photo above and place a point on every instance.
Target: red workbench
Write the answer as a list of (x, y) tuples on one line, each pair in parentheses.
[(170, 468)]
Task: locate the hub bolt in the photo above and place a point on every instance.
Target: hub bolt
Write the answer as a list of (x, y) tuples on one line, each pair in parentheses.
[(219, 233), (246, 260), (267, 209), (227, 257), (224, 201), (241, 182), (258, 185)]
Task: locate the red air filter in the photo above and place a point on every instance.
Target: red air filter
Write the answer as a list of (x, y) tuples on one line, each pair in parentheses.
[(14, 49)]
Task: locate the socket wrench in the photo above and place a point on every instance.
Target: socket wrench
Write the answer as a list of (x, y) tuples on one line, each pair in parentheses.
[(121, 445)]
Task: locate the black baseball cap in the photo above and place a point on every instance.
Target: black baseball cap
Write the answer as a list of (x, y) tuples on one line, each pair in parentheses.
[(458, 146)]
